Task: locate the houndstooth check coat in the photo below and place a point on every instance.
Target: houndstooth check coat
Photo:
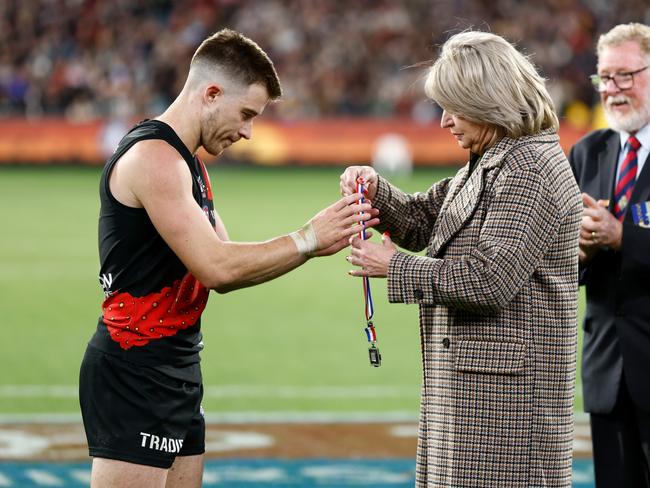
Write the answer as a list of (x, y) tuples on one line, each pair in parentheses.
[(497, 292)]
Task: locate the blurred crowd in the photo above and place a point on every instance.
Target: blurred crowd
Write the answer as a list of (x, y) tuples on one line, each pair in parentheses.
[(86, 59)]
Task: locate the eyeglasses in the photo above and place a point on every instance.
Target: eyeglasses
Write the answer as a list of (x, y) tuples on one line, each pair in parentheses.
[(622, 81)]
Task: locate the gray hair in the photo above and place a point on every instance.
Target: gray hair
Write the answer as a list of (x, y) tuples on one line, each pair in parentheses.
[(482, 77), (634, 31)]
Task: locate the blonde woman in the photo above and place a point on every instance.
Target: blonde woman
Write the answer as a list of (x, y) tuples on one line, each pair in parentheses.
[(497, 288)]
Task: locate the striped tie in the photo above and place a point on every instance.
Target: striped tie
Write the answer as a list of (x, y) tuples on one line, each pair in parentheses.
[(626, 178)]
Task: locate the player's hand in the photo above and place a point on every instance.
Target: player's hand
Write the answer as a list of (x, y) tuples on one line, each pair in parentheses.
[(373, 259), (349, 180), (334, 225), (599, 228)]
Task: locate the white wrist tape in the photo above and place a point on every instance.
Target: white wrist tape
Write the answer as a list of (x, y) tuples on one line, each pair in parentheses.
[(308, 243)]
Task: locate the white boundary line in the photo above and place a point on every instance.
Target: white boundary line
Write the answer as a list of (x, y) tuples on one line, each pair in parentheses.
[(236, 391), (253, 417), (248, 392), (225, 418)]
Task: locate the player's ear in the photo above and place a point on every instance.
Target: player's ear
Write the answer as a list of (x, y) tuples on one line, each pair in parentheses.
[(212, 93)]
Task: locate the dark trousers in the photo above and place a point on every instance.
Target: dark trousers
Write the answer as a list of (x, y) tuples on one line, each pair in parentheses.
[(621, 442)]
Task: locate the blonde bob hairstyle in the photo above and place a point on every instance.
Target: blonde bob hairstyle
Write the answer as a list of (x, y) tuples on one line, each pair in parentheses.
[(482, 78)]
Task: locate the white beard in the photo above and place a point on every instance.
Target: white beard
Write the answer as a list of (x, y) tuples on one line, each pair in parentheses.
[(630, 122)]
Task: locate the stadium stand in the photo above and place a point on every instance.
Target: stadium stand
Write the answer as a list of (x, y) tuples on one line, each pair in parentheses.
[(85, 59)]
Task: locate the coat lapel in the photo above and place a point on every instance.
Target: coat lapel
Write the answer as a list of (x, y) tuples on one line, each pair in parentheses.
[(641, 191), (466, 192), (607, 168), (458, 207)]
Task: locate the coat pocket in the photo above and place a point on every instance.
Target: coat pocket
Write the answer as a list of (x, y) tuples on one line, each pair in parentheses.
[(490, 357)]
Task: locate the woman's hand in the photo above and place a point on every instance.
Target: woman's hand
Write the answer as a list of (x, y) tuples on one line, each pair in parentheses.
[(349, 180), (372, 258)]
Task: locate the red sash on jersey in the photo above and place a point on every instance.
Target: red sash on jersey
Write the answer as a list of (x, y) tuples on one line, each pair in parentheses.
[(134, 321)]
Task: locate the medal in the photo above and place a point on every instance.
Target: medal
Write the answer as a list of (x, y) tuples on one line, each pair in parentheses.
[(373, 352)]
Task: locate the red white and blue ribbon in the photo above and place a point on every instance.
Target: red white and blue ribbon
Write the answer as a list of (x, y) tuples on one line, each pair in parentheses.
[(371, 334)]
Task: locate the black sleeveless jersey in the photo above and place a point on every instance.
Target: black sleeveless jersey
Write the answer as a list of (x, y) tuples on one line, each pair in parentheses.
[(152, 307)]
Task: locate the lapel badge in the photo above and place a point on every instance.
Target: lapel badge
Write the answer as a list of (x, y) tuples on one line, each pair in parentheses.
[(641, 214)]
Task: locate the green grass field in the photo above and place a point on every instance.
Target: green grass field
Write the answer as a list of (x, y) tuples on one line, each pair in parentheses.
[(294, 344)]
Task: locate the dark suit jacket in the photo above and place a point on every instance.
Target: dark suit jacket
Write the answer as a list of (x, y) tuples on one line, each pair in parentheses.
[(617, 319)]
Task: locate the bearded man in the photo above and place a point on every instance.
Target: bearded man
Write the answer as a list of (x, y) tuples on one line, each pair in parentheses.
[(611, 167)]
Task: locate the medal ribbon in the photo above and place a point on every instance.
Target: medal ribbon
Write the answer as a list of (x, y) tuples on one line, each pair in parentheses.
[(371, 334)]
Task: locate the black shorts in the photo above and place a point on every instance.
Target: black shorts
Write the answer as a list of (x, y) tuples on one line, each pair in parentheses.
[(139, 414)]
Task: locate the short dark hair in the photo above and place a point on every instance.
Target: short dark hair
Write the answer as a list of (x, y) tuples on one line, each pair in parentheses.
[(241, 58)]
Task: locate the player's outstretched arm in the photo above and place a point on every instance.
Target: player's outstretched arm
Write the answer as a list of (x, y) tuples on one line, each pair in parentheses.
[(159, 181)]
